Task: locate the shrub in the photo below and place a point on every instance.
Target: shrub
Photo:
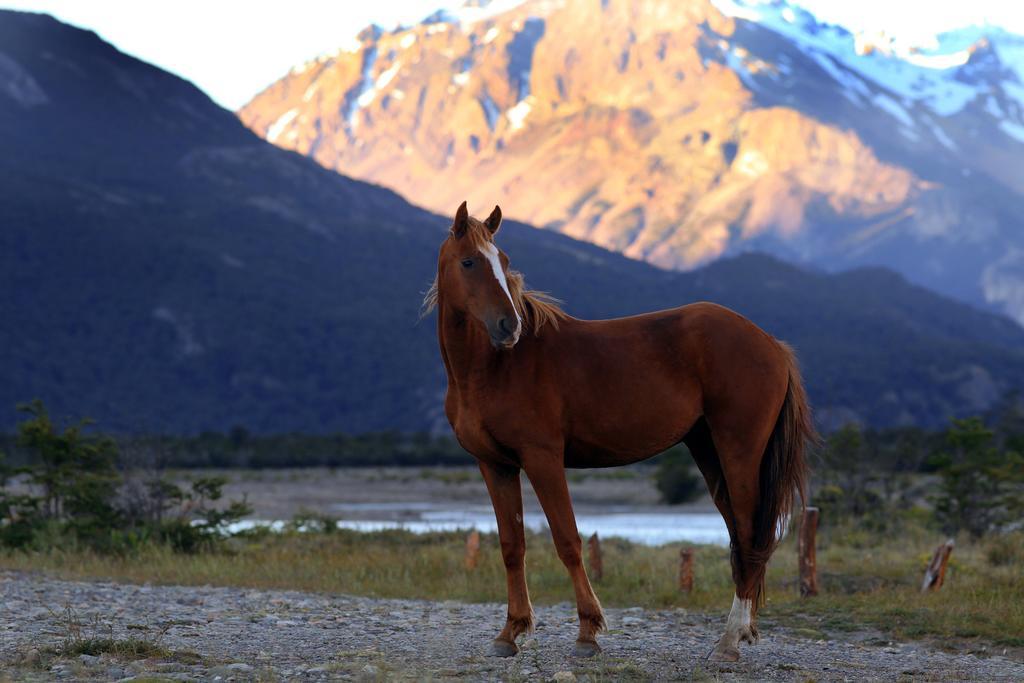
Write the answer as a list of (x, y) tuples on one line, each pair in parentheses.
[(74, 477), (74, 492), (19, 513), (982, 486), (1006, 550), (676, 479), (313, 521), (869, 478)]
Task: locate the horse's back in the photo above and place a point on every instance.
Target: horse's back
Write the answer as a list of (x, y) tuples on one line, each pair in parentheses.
[(701, 333), (636, 385), (738, 362)]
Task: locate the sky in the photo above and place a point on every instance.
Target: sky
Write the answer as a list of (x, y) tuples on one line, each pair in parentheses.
[(232, 49)]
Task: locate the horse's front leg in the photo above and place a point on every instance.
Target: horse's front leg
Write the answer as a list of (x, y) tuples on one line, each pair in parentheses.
[(507, 499), (547, 475)]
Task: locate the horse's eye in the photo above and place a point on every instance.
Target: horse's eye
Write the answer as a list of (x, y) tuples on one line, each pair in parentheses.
[(467, 263)]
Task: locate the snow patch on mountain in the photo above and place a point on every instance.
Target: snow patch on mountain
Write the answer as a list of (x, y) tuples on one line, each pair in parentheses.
[(943, 139), (734, 60), (517, 114), (927, 75), (940, 62), (1012, 129), (1003, 282), (471, 14), (854, 87), (275, 129), (387, 76), (1016, 92), (353, 99), (752, 164), (993, 108), (1010, 50), (189, 346), (368, 95), (18, 84), (893, 107)]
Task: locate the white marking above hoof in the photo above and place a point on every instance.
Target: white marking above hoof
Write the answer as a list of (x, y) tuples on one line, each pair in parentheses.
[(738, 629), (739, 616)]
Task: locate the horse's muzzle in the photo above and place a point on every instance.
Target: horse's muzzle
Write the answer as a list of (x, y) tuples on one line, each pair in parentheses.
[(504, 333)]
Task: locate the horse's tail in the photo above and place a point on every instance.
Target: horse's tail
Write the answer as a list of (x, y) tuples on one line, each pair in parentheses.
[(784, 468)]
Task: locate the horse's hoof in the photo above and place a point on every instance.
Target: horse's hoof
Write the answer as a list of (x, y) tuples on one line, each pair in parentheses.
[(586, 648), (503, 648), (725, 653)]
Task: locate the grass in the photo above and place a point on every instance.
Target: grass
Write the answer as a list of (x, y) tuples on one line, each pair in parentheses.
[(91, 638), (866, 580), (125, 648)]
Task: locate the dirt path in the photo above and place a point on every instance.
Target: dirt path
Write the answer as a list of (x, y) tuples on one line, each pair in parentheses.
[(243, 634)]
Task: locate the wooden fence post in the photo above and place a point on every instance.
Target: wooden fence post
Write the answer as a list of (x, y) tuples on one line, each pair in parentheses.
[(808, 556), (686, 570), (472, 549), (935, 574), (596, 561)]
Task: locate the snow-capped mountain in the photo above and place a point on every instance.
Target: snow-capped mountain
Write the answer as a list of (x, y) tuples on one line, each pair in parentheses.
[(164, 270), (678, 132), (964, 90)]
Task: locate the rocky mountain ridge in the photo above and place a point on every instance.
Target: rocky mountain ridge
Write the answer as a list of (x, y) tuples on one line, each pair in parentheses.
[(680, 132)]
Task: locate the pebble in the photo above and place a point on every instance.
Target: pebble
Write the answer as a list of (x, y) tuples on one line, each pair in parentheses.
[(293, 635)]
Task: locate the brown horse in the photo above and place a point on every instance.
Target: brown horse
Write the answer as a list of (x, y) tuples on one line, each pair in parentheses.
[(532, 389)]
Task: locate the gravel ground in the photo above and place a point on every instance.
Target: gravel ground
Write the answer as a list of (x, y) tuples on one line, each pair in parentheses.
[(241, 634)]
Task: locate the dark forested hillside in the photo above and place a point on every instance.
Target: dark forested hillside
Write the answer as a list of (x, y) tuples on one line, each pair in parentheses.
[(164, 270)]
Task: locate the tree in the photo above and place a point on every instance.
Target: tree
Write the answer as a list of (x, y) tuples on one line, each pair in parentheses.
[(19, 512), (76, 473), (847, 473), (76, 490), (982, 485)]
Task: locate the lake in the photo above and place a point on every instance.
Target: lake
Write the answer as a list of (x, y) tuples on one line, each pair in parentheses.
[(640, 526)]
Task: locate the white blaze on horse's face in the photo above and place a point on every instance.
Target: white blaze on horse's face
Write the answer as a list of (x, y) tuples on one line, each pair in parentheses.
[(490, 252)]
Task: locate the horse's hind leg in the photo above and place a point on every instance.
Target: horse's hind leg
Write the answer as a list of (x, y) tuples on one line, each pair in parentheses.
[(704, 453), (740, 451), (547, 475), (702, 448), (748, 572), (506, 497)]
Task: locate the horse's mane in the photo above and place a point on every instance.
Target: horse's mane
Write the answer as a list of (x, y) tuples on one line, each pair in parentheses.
[(536, 308)]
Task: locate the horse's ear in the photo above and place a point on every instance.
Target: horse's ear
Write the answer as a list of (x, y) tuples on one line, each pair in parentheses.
[(461, 221), (494, 220)]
